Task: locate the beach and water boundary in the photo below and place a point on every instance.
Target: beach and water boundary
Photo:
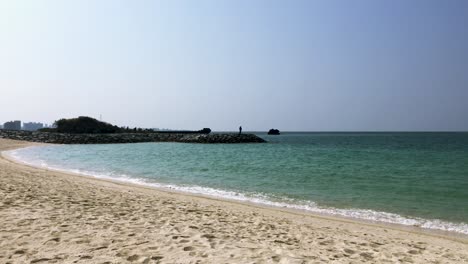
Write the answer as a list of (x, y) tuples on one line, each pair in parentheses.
[(208, 170), (366, 216), (344, 225)]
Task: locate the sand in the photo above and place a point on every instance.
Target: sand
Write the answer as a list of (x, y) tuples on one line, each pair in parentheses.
[(53, 217)]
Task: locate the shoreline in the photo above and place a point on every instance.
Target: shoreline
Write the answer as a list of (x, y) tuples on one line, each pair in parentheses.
[(295, 218), (333, 217)]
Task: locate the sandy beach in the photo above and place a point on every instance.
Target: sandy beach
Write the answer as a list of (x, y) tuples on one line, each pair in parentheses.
[(54, 217)]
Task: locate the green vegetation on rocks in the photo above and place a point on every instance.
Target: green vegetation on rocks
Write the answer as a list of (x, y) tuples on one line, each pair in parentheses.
[(83, 125), (89, 125)]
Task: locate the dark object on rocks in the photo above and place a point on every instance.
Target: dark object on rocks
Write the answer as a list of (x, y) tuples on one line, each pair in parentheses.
[(205, 131), (273, 132)]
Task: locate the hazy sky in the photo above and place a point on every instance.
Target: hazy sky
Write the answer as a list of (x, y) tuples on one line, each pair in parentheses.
[(291, 65)]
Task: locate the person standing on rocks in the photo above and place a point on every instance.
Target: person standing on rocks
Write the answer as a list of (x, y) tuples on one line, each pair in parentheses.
[(240, 130)]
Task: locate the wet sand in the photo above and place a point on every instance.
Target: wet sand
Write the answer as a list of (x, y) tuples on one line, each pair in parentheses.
[(54, 217)]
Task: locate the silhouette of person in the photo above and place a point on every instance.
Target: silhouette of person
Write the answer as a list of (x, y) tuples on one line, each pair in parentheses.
[(240, 130)]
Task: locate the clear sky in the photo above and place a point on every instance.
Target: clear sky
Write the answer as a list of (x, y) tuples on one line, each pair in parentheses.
[(292, 65)]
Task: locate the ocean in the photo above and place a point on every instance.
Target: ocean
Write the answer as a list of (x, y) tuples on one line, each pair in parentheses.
[(416, 179)]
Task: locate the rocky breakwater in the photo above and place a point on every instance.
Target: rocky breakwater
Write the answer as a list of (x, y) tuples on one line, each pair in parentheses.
[(62, 138)]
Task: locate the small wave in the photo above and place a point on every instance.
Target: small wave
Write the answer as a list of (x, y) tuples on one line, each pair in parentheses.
[(310, 206), (262, 199)]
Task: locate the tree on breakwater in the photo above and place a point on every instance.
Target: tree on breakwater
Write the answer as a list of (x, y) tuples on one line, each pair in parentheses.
[(89, 125), (83, 125)]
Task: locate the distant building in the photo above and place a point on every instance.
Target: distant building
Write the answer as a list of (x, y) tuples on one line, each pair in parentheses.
[(12, 125), (32, 126), (1, 126)]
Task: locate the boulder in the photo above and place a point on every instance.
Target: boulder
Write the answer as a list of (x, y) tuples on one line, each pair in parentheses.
[(273, 132)]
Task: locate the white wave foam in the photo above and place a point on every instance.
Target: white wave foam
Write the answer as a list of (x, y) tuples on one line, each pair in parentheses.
[(365, 214), (310, 206)]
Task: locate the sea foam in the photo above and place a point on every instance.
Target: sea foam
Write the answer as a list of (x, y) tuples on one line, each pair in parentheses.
[(260, 198)]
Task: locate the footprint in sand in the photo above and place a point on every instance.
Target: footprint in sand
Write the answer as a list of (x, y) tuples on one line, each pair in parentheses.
[(366, 255), (157, 258), (133, 257), (19, 252), (326, 242), (189, 248), (349, 251), (208, 236)]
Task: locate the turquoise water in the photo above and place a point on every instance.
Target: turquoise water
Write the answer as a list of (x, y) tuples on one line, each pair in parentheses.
[(408, 178)]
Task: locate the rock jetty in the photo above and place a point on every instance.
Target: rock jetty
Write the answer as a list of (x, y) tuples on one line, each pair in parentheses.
[(273, 132), (63, 138)]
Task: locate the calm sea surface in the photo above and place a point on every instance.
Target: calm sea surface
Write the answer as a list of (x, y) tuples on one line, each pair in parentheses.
[(406, 178)]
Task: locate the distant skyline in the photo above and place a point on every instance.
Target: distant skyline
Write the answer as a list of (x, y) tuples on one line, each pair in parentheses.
[(366, 65)]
